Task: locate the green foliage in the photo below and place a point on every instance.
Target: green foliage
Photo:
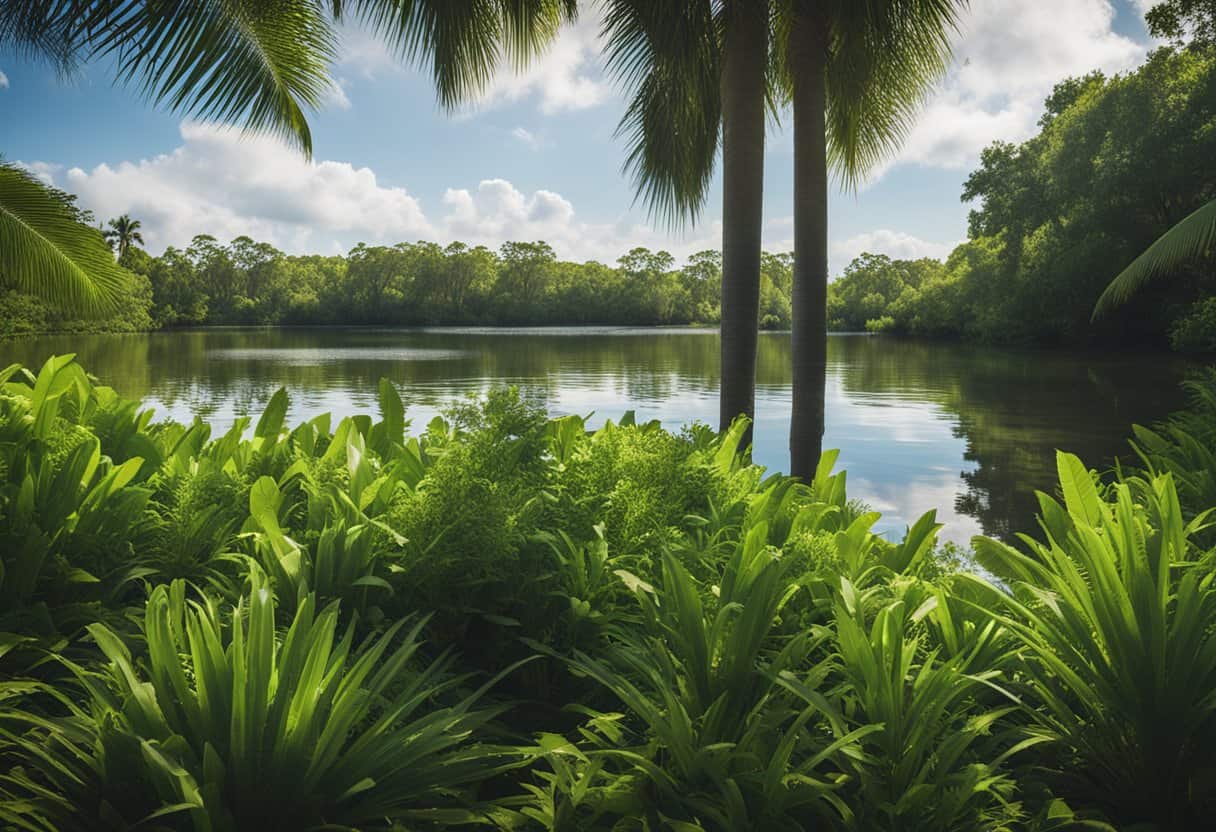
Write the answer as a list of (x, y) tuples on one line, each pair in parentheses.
[(660, 636), (1195, 331), (247, 282), (46, 250), (1114, 613), (1064, 212), (230, 728)]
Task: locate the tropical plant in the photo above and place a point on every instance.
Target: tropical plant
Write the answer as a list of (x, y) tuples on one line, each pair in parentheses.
[(47, 251), (234, 729), (123, 233), (1191, 238), (720, 743), (936, 752), (1114, 614)]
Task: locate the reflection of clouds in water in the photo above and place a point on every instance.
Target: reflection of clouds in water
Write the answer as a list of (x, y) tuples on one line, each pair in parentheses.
[(901, 503), (296, 357)]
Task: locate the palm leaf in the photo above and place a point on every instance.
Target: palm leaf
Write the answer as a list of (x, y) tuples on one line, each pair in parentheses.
[(1193, 237), (47, 252), (243, 62), (668, 55), (463, 42), (884, 58)]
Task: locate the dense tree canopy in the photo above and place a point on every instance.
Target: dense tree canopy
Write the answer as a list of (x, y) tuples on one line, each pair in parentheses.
[(1117, 162)]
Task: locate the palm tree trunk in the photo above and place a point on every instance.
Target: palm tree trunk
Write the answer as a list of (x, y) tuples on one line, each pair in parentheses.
[(744, 66), (809, 302)]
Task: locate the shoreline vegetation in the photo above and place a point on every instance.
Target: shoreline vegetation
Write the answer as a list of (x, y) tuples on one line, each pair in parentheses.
[(366, 625)]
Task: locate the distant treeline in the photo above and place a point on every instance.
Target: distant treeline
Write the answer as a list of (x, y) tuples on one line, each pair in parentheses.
[(248, 282)]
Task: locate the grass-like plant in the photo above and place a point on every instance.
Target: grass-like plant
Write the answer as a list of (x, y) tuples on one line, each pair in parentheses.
[(231, 728), (1115, 618)]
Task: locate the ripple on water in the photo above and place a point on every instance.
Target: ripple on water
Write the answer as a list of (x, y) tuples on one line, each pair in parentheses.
[(311, 357)]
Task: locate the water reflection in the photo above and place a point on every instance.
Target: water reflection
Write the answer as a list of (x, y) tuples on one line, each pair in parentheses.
[(969, 431)]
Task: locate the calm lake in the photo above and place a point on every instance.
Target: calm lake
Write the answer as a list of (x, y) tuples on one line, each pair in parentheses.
[(969, 431)]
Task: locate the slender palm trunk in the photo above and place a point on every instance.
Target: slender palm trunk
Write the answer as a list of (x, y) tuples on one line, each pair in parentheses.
[(809, 302), (744, 65)]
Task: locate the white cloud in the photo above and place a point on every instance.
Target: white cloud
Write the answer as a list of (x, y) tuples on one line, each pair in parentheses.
[(3, 81), (527, 138), (566, 77), (337, 94), (895, 244), (222, 183), (366, 53), (1009, 55), (219, 182)]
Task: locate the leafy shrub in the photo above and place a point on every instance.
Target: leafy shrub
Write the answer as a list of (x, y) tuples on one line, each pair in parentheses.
[(229, 729), (1115, 615), (1195, 331)]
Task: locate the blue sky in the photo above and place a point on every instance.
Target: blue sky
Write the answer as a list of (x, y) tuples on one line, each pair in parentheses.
[(535, 158)]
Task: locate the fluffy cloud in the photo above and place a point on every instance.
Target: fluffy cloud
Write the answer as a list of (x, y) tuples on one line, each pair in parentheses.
[(3, 81), (1007, 58), (894, 244), (222, 183), (566, 77)]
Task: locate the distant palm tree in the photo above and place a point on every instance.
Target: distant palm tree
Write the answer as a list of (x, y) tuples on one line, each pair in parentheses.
[(855, 72), (1194, 237), (122, 232)]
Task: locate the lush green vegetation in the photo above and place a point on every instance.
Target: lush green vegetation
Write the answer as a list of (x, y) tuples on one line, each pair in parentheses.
[(1061, 214), (509, 621)]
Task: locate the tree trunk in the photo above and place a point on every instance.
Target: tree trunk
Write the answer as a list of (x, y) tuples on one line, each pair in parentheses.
[(808, 50), (744, 67)]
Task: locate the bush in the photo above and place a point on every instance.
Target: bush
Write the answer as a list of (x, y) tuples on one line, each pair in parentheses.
[(1195, 331)]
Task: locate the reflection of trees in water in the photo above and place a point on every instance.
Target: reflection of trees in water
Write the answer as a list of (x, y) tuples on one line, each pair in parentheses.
[(1015, 408)]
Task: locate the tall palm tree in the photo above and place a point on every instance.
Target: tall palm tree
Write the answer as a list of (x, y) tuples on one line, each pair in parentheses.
[(1194, 236), (698, 72), (856, 73), (122, 233)]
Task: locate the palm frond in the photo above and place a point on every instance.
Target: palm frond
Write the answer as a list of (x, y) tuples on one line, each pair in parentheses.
[(463, 42), (668, 55), (47, 252), (884, 58), (1193, 237)]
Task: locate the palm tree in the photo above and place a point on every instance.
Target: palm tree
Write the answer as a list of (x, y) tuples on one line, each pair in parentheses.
[(856, 73), (122, 232), (698, 71), (1194, 236)]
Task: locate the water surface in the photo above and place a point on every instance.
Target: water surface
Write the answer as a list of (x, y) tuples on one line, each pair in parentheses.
[(969, 431)]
